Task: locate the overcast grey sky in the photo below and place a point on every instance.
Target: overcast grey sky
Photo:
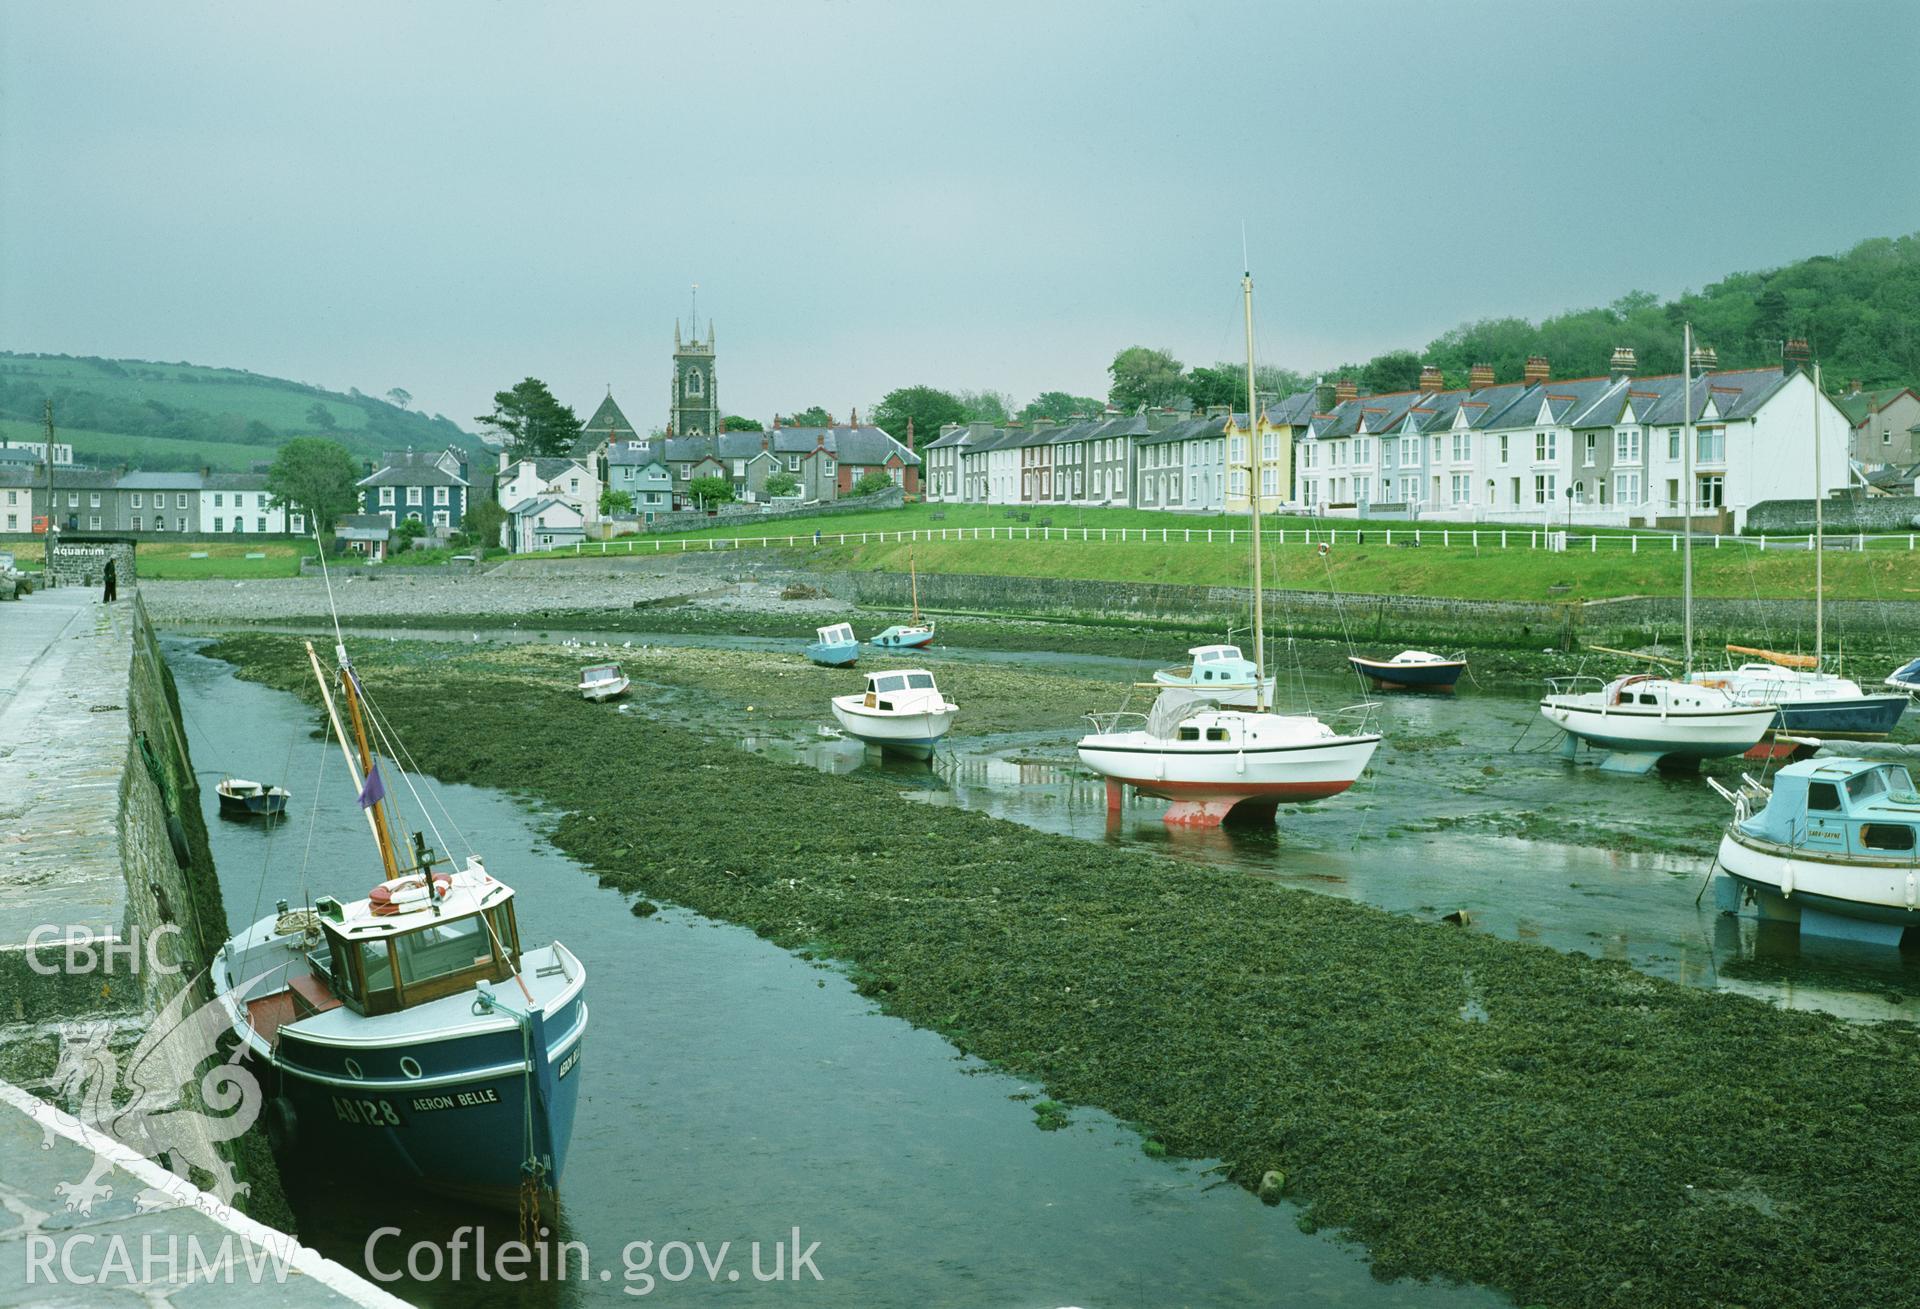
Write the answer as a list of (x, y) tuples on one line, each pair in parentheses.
[(449, 197)]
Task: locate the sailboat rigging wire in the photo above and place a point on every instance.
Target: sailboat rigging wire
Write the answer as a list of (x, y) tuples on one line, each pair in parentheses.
[(404, 757), (386, 744), (320, 549), (273, 824), (313, 814)]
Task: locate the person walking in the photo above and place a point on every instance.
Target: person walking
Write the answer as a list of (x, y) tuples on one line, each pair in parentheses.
[(112, 589)]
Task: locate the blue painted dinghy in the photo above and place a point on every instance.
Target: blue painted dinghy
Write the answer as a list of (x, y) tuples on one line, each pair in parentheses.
[(837, 646), (411, 1034), (1414, 670), (240, 798)]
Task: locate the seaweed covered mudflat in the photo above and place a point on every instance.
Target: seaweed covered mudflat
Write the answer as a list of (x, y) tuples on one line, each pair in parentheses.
[(1561, 1127)]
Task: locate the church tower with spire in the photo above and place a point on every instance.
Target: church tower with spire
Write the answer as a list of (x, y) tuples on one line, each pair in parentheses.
[(696, 391)]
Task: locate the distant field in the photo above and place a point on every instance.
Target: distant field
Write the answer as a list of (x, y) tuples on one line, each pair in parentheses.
[(105, 449), (1623, 564), (173, 560), (213, 390)]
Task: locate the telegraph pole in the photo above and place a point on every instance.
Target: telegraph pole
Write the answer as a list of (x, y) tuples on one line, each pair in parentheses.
[(46, 562)]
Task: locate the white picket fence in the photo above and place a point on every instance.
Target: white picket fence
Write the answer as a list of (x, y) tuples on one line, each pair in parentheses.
[(1455, 538)]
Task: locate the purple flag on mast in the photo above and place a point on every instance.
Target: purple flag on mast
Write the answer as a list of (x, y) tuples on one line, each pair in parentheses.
[(374, 791)]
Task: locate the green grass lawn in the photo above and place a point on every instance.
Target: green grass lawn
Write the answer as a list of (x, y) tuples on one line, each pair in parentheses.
[(174, 561), (1621, 564)]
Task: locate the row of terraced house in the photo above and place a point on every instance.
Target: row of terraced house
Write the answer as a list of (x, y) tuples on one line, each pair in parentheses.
[(1603, 450)]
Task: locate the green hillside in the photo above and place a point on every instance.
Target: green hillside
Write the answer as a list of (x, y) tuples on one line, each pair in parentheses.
[(1859, 311), (180, 416)]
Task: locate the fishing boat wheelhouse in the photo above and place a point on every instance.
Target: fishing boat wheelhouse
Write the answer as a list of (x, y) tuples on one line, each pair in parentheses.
[(409, 1033)]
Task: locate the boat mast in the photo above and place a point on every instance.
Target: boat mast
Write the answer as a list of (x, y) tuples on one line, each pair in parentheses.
[(1819, 535), (378, 809), (914, 574), (340, 735), (1686, 501), (1254, 467)]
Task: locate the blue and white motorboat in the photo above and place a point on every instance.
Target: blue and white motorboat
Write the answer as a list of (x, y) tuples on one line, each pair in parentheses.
[(901, 711), (1831, 846), (905, 636), (240, 798), (913, 635), (1221, 674), (1810, 702), (410, 1034), (1411, 670), (837, 647), (1906, 678)]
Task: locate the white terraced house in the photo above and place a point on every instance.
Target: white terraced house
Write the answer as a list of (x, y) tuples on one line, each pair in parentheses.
[(1593, 451)]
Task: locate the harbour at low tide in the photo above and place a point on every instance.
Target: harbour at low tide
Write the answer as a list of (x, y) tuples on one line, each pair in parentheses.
[(736, 1091)]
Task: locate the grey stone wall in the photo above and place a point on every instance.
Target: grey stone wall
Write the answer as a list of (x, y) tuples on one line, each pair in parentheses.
[(744, 518), (82, 560), (1886, 513), (1880, 626)]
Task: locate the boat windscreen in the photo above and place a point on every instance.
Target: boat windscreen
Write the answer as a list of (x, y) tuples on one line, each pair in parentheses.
[(1888, 777), (890, 683), (920, 681)]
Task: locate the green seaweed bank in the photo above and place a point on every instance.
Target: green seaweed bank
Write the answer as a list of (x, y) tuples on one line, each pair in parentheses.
[(1563, 1128)]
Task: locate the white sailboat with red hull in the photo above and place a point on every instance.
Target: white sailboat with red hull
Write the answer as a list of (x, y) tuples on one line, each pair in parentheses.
[(1217, 764)]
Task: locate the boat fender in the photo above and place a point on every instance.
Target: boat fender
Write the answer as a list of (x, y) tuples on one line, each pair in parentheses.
[(1913, 891), (1786, 878), (283, 1125)]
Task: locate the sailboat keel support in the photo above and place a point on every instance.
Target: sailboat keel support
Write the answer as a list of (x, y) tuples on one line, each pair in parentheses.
[(1629, 764), (1116, 792)]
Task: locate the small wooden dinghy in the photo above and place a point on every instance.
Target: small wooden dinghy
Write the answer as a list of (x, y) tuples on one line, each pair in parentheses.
[(240, 798)]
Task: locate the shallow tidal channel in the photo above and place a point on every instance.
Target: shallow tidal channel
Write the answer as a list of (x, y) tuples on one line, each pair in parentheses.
[(735, 1091)]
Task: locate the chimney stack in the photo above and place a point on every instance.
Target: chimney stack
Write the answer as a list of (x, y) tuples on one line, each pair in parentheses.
[(1322, 397), (1430, 379), (1795, 355), (1705, 359), (1853, 386), (1623, 362), (1536, 370), (856, 423), (1344, 390), (1480, 377)]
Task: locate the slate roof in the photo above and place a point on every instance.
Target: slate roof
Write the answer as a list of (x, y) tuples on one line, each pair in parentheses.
[(1294, 411), (358, 526), (1859, 404), (637, 453), (137, 481), (538, 503), (609, 420), (412, 468), (546, 467), (234, 482)]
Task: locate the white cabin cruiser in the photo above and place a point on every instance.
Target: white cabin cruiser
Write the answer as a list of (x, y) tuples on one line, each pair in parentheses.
[(1643, 718), (902, 711)]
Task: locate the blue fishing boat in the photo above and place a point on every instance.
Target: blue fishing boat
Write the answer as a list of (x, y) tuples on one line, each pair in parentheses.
[(1906, 678), (1830, 845), (837, 646), (410, 1034), (1411, 670)]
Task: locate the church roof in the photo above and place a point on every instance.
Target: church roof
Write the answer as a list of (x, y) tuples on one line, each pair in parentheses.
[(608, 418)]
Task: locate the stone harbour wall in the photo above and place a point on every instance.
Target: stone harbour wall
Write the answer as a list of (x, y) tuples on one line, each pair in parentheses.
[(1886, 513), (1402, 620), (82, 560)]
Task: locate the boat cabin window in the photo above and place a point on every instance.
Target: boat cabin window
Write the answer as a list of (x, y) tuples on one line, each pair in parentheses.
[(920, 681), (1878, 782), (1216, 733), (1649, 699), (1823, 795), (1187, 734), (889, 683), (445, 948), (1886, 836)]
